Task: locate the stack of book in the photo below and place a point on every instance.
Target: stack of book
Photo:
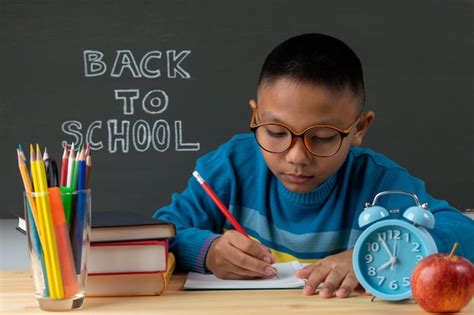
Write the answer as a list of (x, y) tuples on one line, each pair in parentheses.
[(128, 255)]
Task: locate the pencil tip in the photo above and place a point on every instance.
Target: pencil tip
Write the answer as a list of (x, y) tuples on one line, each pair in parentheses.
[(32, 153), (20, 147)]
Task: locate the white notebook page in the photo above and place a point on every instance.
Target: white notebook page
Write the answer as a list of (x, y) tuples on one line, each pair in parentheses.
[(285, 278)]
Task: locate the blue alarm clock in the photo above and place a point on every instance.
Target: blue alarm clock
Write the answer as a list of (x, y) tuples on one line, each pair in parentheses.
[(386, 253)]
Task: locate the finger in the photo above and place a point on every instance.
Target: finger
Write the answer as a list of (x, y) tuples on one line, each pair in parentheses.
[(251, 247), (307, 270), (315, 278), (243, 273), (332, 282), (243, 260), (347, 286)]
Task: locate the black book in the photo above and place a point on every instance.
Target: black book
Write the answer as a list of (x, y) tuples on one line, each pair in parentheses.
[(111, 226)]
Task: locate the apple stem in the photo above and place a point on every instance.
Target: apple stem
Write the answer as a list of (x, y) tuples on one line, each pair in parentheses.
[(453, 250)]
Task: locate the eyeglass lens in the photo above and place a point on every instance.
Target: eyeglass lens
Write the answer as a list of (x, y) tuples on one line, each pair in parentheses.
[(319, 141)]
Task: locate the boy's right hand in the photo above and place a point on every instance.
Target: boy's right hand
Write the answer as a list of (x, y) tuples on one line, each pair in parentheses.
[(234, 256)]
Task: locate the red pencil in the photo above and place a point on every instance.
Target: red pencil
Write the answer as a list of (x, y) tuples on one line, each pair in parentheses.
[(219, 204), (64, 167)]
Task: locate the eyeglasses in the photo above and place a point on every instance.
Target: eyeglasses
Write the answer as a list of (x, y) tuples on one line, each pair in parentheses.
[(320, 140)]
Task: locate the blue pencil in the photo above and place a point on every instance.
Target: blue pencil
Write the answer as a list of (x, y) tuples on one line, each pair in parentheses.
[(80, 214), (34, 239)]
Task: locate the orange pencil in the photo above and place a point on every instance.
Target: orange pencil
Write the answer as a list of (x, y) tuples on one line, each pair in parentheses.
[(68, 270), (26, 183), (219, 204), (28, 190)]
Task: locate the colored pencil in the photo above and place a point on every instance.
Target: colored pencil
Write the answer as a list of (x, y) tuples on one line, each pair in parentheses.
[(88, 171), (22, 154), (77, 228), (64, 166), (53, 270), (219, 204), (75, 169), (68, 270), (25, 176), (70, 166), (47, 166)]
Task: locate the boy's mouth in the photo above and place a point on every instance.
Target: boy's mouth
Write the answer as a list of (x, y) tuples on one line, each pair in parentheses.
[(296, 178)]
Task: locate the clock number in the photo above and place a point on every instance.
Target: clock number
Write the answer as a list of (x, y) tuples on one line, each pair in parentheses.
[(396, 234), (382, 235), (369, 258), (372, 271), (406, 281), (391, 234), (407, 237), (416, 247), (381, 279), (373, 247), (419, 257), (393, 285)]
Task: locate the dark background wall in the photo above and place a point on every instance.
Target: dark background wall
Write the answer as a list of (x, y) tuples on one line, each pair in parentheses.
[(417, 58)]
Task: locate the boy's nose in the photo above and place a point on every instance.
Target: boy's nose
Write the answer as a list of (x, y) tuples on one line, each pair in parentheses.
[(298, 154)]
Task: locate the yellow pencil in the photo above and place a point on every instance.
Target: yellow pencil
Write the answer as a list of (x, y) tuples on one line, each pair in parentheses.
[(28, 189), (44, 213)]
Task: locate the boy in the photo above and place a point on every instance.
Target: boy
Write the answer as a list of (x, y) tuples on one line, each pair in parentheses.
[(299, 183)]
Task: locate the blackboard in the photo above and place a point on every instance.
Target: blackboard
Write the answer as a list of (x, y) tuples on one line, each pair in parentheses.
[(179, 74)]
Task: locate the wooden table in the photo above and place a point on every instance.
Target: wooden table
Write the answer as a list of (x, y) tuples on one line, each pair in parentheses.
[(16, 297)]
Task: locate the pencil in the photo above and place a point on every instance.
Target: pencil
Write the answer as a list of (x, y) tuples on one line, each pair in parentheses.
[(88, 171), (37, 239), (64, 167), (22, 154), (219, 204), (70, 166), (44, 212), (47, 166), (75, 169), (27, 183), (79, 219), (68, 271), (28, 190)]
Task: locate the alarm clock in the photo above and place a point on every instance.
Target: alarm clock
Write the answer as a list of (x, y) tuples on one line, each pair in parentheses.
[(387, 251)]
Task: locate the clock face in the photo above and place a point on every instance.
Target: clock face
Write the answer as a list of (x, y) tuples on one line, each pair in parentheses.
[(385, 256)]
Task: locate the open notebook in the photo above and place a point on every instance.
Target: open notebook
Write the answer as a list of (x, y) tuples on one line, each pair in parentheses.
[(284, 279)]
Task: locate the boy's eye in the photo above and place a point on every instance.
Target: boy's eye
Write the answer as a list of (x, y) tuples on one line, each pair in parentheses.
[(316, 139), (276, 131), (322, 135)]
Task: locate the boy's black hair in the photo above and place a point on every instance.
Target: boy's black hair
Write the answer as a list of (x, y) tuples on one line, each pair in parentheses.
[(318, 59)]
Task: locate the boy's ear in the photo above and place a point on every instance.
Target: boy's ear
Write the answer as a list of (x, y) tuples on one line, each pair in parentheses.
[(362, 127), (253, 104)]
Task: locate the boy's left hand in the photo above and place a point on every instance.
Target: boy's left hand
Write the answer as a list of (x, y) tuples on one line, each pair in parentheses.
[(335, 272)]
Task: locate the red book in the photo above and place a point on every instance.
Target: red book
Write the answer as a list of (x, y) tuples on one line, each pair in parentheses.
[(130, 284), (148, 256)]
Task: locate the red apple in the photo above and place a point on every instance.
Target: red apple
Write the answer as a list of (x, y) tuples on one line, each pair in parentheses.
[(443, 283)]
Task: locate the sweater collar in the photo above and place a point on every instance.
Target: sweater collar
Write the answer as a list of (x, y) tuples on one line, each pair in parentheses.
[(313, 198)]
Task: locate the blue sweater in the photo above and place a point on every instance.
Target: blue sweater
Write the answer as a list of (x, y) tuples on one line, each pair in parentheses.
[(303, 226)]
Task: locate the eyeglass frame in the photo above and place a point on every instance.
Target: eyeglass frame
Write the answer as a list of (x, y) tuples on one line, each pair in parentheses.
[(343, 133)]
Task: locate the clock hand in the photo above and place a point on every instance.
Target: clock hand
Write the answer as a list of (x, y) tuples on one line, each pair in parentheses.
[(394, 257), (384, 245), (390, 263), (385, 265)]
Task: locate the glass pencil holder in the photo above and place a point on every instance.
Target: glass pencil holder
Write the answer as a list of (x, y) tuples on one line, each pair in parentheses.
[(58, 232)]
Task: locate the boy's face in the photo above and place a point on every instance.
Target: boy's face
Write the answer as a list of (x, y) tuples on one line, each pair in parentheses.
[(300, 105)]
